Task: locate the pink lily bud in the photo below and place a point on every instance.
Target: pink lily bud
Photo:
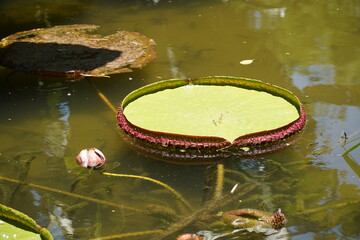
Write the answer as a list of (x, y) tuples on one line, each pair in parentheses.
[(189, 236), (91, 158)]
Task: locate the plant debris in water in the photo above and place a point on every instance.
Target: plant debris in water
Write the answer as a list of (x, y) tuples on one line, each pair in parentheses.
[(70, 50)]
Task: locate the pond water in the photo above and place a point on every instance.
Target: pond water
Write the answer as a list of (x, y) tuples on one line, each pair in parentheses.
[(309, 47)]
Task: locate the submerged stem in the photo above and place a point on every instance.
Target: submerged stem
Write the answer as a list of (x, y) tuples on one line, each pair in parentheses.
[(171, 190), (126, 235), (212, 206), (72, 195), (327, 207), (219, 180), (103, 97)]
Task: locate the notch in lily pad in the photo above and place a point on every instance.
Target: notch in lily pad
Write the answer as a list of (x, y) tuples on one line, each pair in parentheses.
[(215, 116), (69, 50)]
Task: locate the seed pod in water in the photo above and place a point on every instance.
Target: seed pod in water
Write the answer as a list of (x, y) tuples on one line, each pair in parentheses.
[(91, 158)]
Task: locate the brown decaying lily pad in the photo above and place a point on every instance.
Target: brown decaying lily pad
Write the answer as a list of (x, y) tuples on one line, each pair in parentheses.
[(70, 51)]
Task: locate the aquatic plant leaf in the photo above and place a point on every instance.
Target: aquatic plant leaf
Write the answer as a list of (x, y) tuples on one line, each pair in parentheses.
[(17, 225), (245, 117), (222, 111), (69, 50), (10, 231), (351, 149)]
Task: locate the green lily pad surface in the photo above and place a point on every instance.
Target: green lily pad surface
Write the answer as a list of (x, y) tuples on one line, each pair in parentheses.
[(204, 120), (17, 225), (9, 231), (210, 110)]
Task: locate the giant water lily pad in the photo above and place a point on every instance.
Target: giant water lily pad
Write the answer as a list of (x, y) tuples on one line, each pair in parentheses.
[(212, 113), (70, 50), (17, 225)]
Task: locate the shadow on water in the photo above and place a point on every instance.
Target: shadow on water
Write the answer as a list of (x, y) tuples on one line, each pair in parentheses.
[(53, 58)]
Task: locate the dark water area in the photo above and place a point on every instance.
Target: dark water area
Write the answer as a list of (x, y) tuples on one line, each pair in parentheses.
[(308, 47)]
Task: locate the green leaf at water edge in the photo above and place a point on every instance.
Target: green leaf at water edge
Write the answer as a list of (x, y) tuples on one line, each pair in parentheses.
[(9, 231), (17, 225), (351, 149)]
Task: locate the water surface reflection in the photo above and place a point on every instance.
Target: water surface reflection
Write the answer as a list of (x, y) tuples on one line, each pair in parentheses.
[(310, 48)]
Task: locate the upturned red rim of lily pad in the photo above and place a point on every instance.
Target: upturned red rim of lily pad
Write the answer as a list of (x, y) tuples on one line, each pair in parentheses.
[(245, 142), (193, 156)]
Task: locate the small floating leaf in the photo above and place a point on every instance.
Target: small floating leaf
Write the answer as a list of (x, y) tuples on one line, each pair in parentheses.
[(247, 62), (219, 214), (246, 149)]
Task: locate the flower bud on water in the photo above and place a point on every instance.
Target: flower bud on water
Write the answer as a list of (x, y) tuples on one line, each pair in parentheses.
[(189, 236), (91, 158)]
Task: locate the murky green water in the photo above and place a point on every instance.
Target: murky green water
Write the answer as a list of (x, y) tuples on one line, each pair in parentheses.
[(309, 47)]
